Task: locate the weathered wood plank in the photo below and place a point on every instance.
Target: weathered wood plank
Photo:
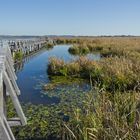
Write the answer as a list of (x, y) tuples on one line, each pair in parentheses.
[(14, 122)]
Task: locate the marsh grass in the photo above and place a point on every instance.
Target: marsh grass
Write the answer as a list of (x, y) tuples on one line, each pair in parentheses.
[(107, 117), (113, 73), (107, 46), (78, 49), (112, 111)]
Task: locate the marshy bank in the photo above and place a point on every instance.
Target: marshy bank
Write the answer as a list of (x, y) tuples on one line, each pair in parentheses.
[(95, 114), (70, 109), (118, 70), (107, 46), (112, 74), (111, 109)]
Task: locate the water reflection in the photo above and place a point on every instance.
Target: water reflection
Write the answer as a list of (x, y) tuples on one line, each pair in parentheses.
[(32, 74), (19, 65)]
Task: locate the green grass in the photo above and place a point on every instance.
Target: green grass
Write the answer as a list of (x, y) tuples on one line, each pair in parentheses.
[(18, 56), (106, 117)]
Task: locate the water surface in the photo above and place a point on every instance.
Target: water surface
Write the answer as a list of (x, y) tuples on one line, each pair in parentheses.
[(32, 74)]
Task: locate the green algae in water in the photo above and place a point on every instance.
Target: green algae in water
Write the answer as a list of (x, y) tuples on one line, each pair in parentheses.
[(58, 81), (47, 120), (65, 80)]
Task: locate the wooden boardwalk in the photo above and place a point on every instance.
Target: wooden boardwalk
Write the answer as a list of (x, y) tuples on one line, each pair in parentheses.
[(8, 87), (28, 46)]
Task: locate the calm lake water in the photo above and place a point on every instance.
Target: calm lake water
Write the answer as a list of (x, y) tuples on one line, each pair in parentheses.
[(32, 74)]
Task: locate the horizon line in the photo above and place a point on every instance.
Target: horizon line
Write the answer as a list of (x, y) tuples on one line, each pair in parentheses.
[(10, 35)]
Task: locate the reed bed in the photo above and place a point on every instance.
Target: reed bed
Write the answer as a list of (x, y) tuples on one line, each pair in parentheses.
[(113, 73), (106, 116), (111, 110), (107, 46)]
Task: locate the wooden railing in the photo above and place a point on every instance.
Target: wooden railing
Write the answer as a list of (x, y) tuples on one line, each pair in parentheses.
[(8, 87)]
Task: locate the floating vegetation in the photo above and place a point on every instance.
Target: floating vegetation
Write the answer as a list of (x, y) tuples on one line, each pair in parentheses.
[(83, 114), (58, 81), (48, 121)]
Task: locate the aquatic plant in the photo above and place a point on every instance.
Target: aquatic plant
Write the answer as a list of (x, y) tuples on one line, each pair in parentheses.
[(107, 46), (46, 121), (106, 116), (83, 115), (56, 67), (113, 73), (78, 49), (74, 50)]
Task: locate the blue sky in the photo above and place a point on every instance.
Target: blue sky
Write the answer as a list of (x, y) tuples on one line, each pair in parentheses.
[(70, 17)]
